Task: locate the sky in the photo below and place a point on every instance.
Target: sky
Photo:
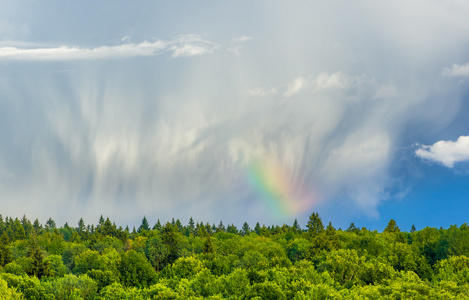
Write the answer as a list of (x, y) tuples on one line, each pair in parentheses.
[(256, 111)]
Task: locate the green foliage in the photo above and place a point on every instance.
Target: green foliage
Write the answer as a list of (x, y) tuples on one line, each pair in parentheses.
[(199, 261), (392, 227), (56, 266), (144, 226), (314, 225), (157, 252), (7, 293), (30, 287), (73, 287), (90, 260), (5, 251), (136, 270), (38, 267)]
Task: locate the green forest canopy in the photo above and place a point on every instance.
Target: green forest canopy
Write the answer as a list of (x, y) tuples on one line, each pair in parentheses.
[(203, 261)]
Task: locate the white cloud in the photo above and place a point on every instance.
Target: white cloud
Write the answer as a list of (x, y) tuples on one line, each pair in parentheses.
[(324, 81), (386, 91), (191, 45), (446, 152), (457, 70), (182, 46), (337, 80), (234, 50), (242, 38), (295, 86), (262, 92)]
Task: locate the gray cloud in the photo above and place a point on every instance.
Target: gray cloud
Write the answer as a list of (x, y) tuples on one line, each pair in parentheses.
[(173, 137), (457, 70)]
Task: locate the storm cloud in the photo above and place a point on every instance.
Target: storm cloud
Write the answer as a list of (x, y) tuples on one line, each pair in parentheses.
[(169, 128)]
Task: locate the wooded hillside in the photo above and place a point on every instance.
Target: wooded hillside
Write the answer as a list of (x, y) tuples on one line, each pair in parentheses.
[(203, 261)]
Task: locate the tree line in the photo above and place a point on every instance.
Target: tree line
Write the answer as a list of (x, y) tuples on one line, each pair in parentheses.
[(199, 261)]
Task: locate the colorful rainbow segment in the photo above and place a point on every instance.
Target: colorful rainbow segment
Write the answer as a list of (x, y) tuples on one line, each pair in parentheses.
[(284, 197)]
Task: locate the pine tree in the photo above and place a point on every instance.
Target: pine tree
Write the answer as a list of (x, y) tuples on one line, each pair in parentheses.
[(208, 246), (296, 227), (208, 228), (157, 226), (221, 227), (18, 230), (232, 229), (2, 225), (191, 227), (28, 227), (5, 252), (144, 226), (257, 229), (81, 227), (50, 224), (170, 239), (179, 226), (392, 227), (412, 229), (352, 228), (245, 230), (202, 232), (108, 228), (315, 225), (39, 267)]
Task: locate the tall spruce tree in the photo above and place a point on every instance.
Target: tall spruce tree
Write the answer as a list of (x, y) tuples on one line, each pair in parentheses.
[(245, 230), (39, 267), (315, 225), (5, 251), (144, 226)]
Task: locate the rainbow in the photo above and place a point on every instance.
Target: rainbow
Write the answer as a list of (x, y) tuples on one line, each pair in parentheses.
[(284, 197)]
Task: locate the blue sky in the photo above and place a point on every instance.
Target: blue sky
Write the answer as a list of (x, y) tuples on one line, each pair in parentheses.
[(162, 108)]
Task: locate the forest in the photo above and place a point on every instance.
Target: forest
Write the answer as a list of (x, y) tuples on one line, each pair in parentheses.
[(203, 261)]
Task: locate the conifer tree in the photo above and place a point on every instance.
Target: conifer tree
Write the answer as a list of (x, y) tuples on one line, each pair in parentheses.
[(2, 225), (28, 227), (101, 220), (221, 227), (352, 228), (108, 228), (257, 228), (245, 230), (191, 227), (50, 224), (170, 239), (208, 228), (232, 229), (208, 246), (315, 225), (5, 252), (179, 226), (18, 230), (81, 227), (39, 267), (392, 227), (157, 226), (296, 227), (144, 226)]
